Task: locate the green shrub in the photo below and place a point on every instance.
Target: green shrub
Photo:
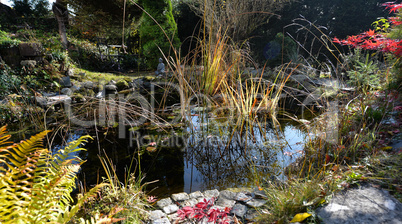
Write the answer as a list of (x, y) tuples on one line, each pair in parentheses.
[(6, 41), (152, 37), (365, 72), (8, 81)]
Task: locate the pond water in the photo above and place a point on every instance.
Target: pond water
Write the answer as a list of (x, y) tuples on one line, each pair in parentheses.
[(210, 153)]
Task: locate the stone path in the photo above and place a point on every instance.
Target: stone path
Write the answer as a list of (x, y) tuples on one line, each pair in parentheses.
[(243, 205)]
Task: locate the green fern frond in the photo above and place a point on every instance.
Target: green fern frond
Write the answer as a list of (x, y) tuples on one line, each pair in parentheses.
[(35, 185)]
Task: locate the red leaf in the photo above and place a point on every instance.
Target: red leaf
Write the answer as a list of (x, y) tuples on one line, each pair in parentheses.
[(327, 158), (370, 33)]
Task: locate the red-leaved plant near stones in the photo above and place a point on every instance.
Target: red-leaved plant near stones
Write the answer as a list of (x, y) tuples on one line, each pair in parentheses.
[(379, 40), (204, 209)]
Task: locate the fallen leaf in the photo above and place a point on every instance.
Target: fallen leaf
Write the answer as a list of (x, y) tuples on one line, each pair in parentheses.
[(335, 168), (386, 148), (151, 149), (300, 217), (134, 129)]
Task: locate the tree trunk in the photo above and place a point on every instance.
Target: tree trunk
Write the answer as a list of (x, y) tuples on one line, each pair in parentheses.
[(60, 11)]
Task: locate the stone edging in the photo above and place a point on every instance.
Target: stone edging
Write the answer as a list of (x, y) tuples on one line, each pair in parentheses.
[(242, 205)]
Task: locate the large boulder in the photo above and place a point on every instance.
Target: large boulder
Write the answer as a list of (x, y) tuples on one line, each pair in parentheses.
[(32, 51)]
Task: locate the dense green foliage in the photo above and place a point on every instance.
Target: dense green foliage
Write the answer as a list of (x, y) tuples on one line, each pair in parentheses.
[(154, 42), (93, 19), (31, 8)]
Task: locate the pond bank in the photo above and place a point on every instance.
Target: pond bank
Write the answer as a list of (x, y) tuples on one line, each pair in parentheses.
[(240, 205)]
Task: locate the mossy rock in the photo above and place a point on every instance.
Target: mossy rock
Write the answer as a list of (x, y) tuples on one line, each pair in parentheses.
[(86, 92), (128, 79), (149, 78), (122, 85), (79, 98)]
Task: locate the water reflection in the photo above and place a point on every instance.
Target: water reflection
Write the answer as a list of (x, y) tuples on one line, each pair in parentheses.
[(206, 156)]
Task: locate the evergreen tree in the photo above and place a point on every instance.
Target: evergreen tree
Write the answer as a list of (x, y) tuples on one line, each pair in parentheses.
[(152, 37), (31, 8)]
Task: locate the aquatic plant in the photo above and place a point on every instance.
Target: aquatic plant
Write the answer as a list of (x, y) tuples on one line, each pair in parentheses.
[(125, 200)]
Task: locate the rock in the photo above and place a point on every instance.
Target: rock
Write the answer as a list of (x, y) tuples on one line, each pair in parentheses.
[(243, 197), (88, 85), (170, 208), (49, 101), (66, 91), (211, 194), (228, 194), (65, 81), (164, 202), (28, 63), (75, 88), (41, 101), (190, 202), (69, 72), (251, 215), (196, 194), (226, 199), (161, 221), (49, 94), (30, 49), (256, 203), (110, 89), (239, 210), (157, 214), (78, 98), (174, 217), (362, 205), (259, 193), (137, 83), (180, 197), (224, 202), (122, 85)]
